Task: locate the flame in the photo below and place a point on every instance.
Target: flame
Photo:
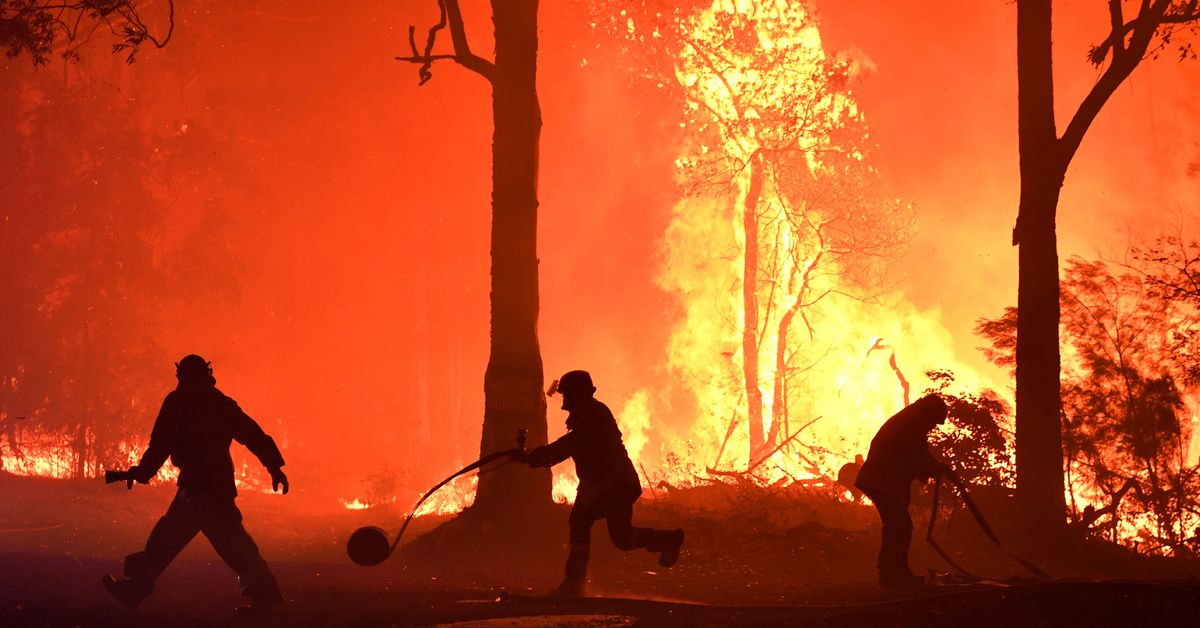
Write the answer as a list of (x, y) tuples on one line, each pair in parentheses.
[(758, 82), (566, 484), (450, 499), (55, 457), (460, 494), (634, 421)]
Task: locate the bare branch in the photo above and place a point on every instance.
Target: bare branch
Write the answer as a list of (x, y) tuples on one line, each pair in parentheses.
[(1142, 30), (450, 14), (1150, 16)]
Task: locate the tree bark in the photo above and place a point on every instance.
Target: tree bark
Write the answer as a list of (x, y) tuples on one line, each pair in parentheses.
[(513, 381), (1040, 488)]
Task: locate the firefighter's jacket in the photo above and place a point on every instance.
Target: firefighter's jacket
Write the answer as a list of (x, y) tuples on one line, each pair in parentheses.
[(195, 428), (899, 454), (593, 440)]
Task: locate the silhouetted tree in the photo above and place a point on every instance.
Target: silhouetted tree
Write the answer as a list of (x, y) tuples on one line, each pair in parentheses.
[(1044, 158), (513, 381)]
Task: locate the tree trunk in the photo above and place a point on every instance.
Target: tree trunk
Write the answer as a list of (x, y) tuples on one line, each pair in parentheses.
[(513, 381), (750, 348), (1040, 485), (1040, 488)]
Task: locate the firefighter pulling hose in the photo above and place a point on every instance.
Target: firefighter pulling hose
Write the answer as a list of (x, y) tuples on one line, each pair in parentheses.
[(899, 455), (608, 488)]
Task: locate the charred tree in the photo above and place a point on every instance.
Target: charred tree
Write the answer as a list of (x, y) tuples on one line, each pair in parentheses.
[(513, 381), (1044, 158)]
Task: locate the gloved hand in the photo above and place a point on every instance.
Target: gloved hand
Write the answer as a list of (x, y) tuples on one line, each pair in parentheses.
[(140, 475), (278, 477)]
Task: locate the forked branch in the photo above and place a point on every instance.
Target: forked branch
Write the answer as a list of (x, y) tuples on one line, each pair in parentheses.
[(450, 15)]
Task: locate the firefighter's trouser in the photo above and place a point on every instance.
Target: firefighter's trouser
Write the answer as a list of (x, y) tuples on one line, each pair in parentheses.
[(221, 522), (616, 507)]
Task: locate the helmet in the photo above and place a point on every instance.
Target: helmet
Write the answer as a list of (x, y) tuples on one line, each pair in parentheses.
[(932, 407), (576, 383), (193, 366)]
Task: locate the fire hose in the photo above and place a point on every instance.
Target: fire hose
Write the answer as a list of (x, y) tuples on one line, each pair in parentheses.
[(983, 525), (369, 545)]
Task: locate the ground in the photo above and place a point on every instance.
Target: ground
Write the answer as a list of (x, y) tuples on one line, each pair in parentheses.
[(752, 558)]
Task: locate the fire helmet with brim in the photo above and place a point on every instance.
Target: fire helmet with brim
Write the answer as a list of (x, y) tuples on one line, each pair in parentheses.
[(573, 383), (193, 366)]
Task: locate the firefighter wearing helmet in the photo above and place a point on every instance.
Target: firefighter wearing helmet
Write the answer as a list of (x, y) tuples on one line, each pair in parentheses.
[(195, 428), (608, 483), (898, 456)]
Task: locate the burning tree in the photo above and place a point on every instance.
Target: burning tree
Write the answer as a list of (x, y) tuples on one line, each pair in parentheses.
[(1044, 159), (776, 135), (513, 382)]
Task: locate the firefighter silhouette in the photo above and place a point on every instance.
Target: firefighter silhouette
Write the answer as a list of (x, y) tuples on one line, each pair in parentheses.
[(608, 483), (195, 428), (899, 455)]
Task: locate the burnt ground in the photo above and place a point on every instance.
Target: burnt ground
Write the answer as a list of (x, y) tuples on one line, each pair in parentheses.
[(753, 557)]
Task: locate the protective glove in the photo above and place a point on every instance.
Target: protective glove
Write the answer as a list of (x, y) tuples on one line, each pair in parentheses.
[(278, 478), (141, 475)]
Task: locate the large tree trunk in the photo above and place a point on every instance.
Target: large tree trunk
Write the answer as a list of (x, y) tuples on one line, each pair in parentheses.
[(750, 340), (513, 381), (1040, 485)]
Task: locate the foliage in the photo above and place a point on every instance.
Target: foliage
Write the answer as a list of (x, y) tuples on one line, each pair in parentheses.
[(1170, 268), (976, 445), (36, 27), (1124, 412)]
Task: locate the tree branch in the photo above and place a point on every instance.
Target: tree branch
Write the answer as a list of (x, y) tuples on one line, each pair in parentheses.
[(450, 15), (1143, 27), (1121, 29)]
